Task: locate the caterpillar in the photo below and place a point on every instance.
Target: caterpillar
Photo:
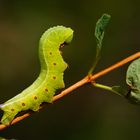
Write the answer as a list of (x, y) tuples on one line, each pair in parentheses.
[(50, 78)]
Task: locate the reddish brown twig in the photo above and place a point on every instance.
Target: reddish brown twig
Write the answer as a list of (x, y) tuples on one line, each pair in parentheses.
[(80, 83)]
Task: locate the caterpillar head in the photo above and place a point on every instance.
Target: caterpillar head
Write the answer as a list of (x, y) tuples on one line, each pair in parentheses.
[(57, 36), (68, 35)]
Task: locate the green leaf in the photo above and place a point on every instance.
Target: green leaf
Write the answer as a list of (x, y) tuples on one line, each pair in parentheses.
[(133, 81), (99, 34), (100, 27)]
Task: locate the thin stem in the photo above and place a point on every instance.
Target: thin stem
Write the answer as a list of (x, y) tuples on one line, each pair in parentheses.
[(102, 86), (105, 87), (96, 59), (80, 83)]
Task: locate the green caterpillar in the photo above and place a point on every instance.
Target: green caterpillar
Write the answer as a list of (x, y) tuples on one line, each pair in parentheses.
[(50, 78)]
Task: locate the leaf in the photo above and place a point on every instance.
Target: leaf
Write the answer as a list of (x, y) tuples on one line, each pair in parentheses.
[(133, 81), (100, 27), (99, 34)]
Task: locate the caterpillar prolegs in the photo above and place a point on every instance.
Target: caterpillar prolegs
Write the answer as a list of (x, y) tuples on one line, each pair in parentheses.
[(50, 78)]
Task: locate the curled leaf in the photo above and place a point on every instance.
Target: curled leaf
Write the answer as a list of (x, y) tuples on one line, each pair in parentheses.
[(99, 34), (100, 27), (133, 81)]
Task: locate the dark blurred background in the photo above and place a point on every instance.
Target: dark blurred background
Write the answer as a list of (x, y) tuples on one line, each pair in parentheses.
[(87, 113)]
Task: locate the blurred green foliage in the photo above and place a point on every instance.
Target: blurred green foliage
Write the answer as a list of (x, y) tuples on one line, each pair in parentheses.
[(86, 113)]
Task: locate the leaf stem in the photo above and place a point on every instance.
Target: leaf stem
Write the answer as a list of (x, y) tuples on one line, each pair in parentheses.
[(102, 86), (95, 62), (105, 87), (80, 83)]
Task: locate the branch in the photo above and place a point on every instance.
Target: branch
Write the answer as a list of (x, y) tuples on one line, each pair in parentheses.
[(80, 83)]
